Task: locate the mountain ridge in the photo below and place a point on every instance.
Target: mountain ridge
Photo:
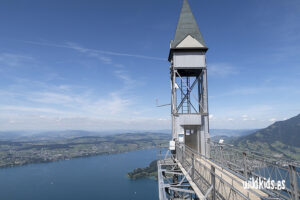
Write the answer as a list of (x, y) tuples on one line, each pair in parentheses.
[(281, 138)]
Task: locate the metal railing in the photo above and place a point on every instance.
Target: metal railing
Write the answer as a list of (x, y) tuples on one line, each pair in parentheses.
[(213, 181), (228, 169), (252, 165)]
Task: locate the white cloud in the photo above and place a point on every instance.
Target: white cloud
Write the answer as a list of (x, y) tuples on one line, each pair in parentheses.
[(35, 104), (125, 77), (114, 104), (89, 52), (255, 116), (221, 69), (272, 119), (265, 89), (14, 59), (34, 122), (69, 100), (52, 98), (245, 117), (66, 100), (64, 87), (71, 45), (31, 109)]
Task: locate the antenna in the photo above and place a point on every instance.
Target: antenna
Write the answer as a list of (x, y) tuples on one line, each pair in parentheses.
[(162, 105)]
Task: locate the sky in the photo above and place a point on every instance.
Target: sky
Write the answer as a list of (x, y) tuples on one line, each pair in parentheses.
[(102, 65)]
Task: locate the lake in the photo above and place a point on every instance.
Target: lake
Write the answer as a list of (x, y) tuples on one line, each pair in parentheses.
[(98, 177)]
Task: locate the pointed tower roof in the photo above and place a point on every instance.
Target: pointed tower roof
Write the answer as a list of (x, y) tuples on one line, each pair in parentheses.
[(187, 29)]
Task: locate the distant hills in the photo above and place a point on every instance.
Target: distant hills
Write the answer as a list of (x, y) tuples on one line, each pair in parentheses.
[(45, 135), (231, 132), (65, 134), (280, 139), (22, 152)]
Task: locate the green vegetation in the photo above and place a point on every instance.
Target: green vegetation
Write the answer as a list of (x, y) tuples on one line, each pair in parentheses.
[(281, 139), (150, 171), (14, 153)]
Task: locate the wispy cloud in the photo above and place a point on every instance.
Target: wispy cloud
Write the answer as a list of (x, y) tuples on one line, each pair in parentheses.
[(221, 69), (52, 98), (14, 59), (124, 76), (272, 119), (112, 105), (262, 89), (96, 52), (41, 122), (89, 52), (31, 109), (81, 104), (42, 97)]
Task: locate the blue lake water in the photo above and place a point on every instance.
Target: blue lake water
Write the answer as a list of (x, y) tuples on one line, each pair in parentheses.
[(99, 177)]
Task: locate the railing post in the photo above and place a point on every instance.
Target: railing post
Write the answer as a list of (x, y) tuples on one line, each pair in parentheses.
[(293, 182), (222, 156), (193, 166), (182, 156), (160, 157), (213, 182), (245, 165), (176, 152)]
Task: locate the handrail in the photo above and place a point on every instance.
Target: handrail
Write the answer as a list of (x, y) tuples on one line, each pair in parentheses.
[(189, 153), (243, 165), (257, 155)]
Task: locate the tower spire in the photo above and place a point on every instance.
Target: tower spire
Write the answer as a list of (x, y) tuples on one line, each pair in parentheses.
[(188, 29)]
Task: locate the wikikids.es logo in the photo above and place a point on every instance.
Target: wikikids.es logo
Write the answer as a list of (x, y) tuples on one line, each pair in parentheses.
[(262, 183)]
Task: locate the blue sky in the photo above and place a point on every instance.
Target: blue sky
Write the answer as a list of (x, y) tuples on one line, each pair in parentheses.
[(101, 65)]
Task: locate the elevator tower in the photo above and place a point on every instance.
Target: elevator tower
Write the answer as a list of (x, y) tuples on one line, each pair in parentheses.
[(189, 103)]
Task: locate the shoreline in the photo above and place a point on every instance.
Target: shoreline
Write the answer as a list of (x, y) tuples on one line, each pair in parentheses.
[(72, 158)]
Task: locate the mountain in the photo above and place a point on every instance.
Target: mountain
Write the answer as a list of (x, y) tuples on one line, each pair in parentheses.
[(280, 139)]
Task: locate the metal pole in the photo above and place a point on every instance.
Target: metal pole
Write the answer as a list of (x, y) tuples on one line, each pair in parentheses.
[(188, 101), (213, 182), (205, 114), (193, 166), (293, 182), (245, 165), (174, 103)]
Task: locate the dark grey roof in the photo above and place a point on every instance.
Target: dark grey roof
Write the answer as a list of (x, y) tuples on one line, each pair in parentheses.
[(187, 25)]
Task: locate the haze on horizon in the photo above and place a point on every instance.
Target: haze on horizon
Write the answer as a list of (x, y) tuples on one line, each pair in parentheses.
[(102, 65)]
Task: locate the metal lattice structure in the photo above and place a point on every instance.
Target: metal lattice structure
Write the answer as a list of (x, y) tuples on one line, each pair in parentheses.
[(195, 167)]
